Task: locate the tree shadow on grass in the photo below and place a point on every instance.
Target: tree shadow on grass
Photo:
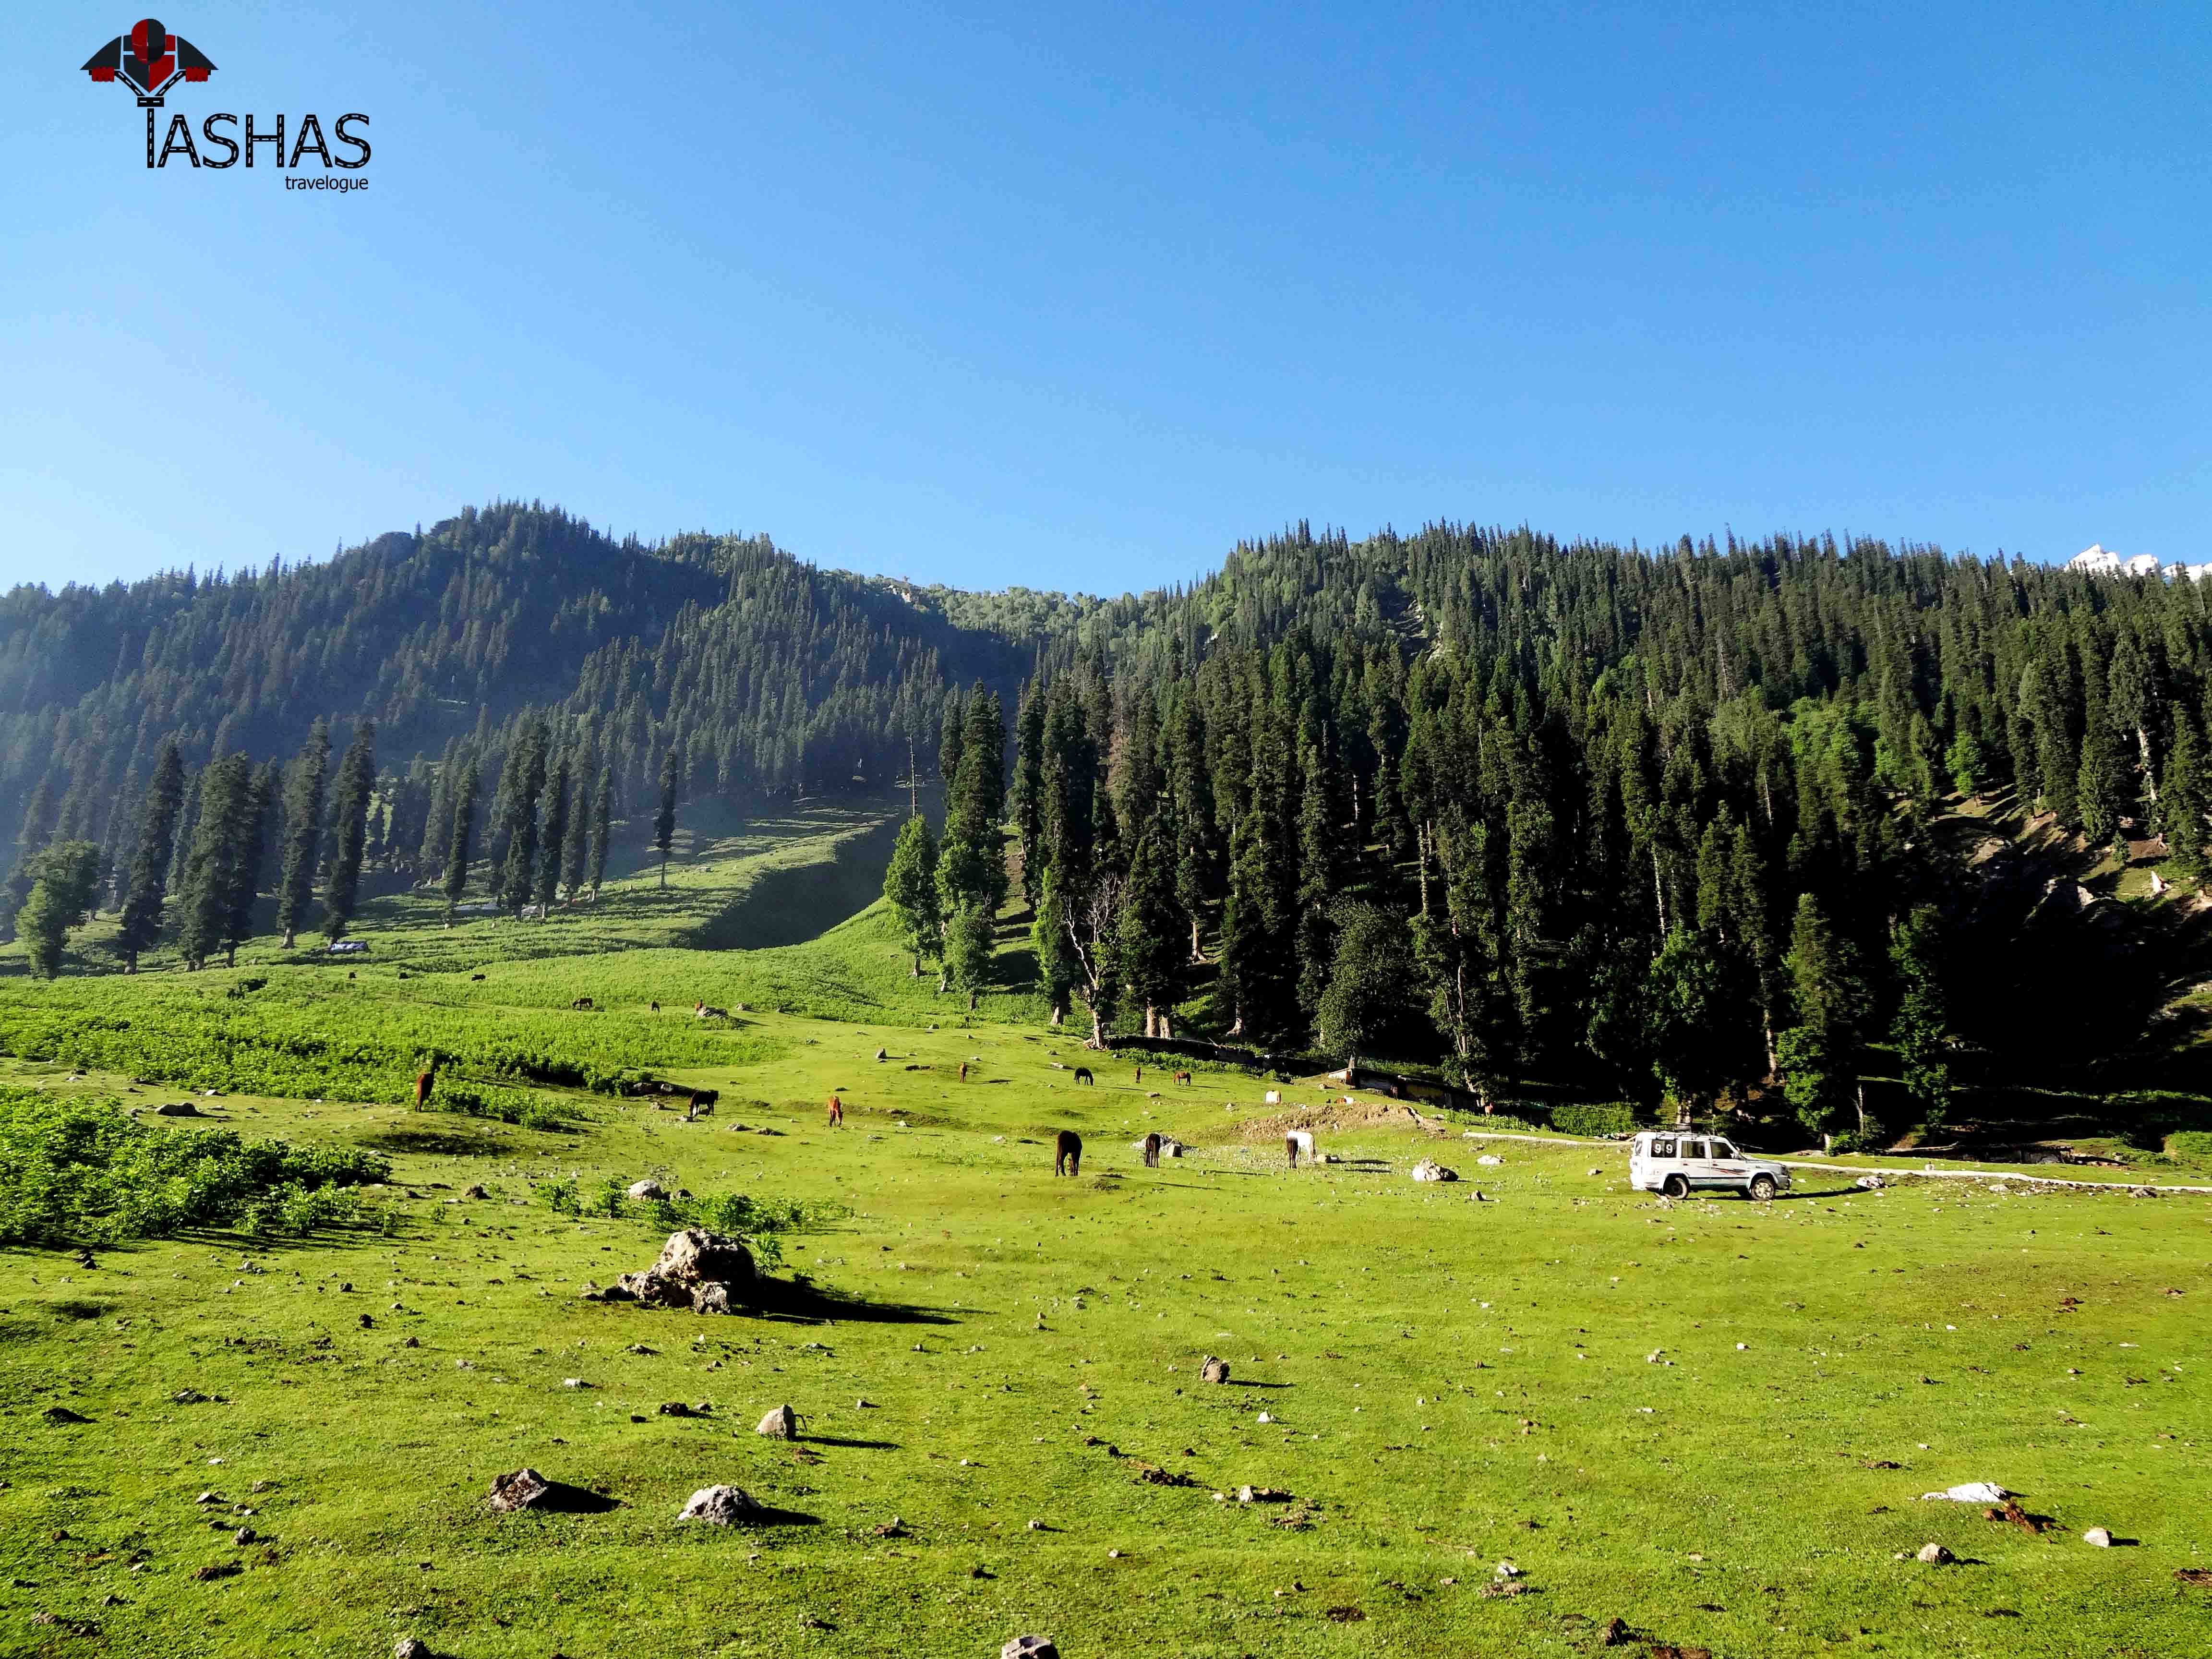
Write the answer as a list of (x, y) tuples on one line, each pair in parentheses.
[(812, 1304), (562, 1498)]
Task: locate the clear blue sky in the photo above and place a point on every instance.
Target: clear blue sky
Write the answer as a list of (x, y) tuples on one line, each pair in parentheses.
[(1076, 296)]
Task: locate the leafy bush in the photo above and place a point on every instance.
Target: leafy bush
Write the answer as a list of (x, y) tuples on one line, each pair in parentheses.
[(508, 1105), (81, 1170), (2192, 1146), (756, 1222), (1594, 1121), (561, 1197)]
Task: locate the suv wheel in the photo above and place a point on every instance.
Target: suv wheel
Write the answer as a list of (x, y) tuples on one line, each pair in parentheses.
[(1675, 1187), (1762, 1188)]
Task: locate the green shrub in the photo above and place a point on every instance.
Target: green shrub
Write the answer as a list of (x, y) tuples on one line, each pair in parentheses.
[(2192, 1146), (561, 1197), (83, 1171), (1594, 1121)]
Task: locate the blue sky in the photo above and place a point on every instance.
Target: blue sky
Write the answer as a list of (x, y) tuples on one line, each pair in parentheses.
[(1077, 297)]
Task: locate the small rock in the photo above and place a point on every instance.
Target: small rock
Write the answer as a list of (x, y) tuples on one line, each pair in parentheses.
[(782, 1423), (1505, 1569), (476, 1192), (2099, 1537), (244, 1535), (722, 1506), (523, 1489), (573, 1382), (410, 1647), (647, 1190), (1936, 1555), (1211, 1370), (711, 1299), (1030, 1647), (1489, 1160)]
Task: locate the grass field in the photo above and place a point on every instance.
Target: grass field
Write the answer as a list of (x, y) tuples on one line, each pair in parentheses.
[(1450, 1380)]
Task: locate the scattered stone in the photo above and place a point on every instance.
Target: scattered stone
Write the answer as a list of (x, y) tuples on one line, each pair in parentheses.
[(720, 1506), (217, 1569), (2097, 1537), (1971, 1491), (244, 1535), (210, 1498), (177, 1109), (893, 1527), (678, 1408), (782, 1423), (1505, 1569), (1030, 1647), (1936, 1555), (1489, 1160), (711, 1299), (524, 1489), (647, 1190), (476, 1192), (1871, 1182), (1429, 1170), (1211, 1370), (573, 1382), (410, 1647), (1262, 1495)]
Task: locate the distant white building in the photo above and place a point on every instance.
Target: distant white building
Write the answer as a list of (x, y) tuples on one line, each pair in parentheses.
[(2096, 561)]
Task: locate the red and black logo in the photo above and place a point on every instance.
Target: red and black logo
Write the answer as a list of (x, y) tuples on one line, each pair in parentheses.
[(149, 60)]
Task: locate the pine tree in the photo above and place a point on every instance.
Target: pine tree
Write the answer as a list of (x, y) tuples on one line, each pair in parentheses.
[(1149, 948), (603, 808), (521, 781), (969, 943), (149, 869), (2184, 797), (37, 831), (575, 845), (208, 890), (458, 846), (910, 888), (249, 857), (664, 819), (303, 831), (1920, 1030), (971, 868), (349, 803), (1829, 997), (554, 842)]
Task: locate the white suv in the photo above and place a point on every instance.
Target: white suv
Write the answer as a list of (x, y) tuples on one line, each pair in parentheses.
[(1664, 1161)]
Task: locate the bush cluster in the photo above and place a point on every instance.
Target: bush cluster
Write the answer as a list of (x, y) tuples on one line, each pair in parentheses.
[(81, 1171)]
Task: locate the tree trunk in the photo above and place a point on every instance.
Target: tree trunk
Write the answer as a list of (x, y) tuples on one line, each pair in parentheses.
[(288, 939), (916, 973), (1197, 954), (942, 981), (131, 962), (971, 1002), (230, 954), (1098, 1029), (1059, 1013)]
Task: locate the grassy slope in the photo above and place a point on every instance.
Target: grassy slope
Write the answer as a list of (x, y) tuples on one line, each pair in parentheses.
[(1454, 1382)]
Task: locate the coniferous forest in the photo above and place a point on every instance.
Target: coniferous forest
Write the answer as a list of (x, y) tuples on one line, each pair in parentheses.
[(1843, 827)]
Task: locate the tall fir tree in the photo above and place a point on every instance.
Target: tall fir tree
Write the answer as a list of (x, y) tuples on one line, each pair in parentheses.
[(349, 806), (303, 833), (141, 927), (460, 838)]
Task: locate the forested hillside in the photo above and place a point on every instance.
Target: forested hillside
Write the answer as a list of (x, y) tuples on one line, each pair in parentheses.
[(1683, 823)]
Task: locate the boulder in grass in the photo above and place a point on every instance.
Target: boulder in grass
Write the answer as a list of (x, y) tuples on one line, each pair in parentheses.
[(410, 1647), (524, 1489), (1030, 1647), (1429, 1170), (652, 1290), (722, 1506), (1211, 1370), (1936, 1555), (696, 1256), (782, 1423), (2098, 1538), (645, 1191), (711, 1299)]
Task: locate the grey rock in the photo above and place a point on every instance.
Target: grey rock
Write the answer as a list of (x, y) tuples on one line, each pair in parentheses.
[(722, 1506), (711, 1299), (177, 1109), (782, 1423), (647, 1189), (2099, 1537), (696, 1256), (1936, 1555), (524, 1489), (1030, 1647), (1211, 1370), (410, 1647)]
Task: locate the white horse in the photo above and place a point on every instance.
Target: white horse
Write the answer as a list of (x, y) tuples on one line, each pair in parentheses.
[(1296, 1141)]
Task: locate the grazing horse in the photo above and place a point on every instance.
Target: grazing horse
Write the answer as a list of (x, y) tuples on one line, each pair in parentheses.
[(702, 1101), (836, 1113), (963, 1070), (1082, 1075), (581, 1002), (1153, 1150), (424, 1081), (1068, 1154), (475, 978), (1182, 1077), (1298, 1140)]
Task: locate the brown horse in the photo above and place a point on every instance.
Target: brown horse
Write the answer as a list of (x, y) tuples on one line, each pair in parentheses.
[(1068, 1154), (836, 1113), (424, 1081), (1153, 1150), (1182, 1077), (963, 1070), (1141, 1075)]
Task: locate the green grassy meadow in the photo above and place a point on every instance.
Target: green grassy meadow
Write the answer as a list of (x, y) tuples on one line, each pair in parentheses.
[(1711, 1420)]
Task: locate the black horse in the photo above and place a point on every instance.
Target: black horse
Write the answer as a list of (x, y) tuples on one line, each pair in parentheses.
[(1068, 1154), (1082, 1075)]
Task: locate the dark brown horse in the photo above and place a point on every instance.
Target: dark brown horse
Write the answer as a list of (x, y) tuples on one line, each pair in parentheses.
[(1153, 1150), (424, 1082), (836, 1113), (1082, 1075), (1068, 1154)]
